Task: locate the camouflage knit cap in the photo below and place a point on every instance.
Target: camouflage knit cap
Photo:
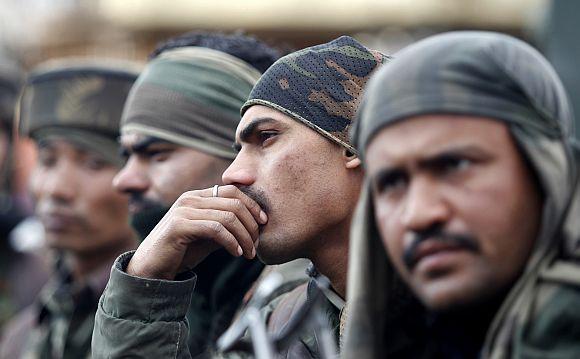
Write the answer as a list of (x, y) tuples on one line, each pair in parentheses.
[(191, 96), (79, 100), (320, 86)]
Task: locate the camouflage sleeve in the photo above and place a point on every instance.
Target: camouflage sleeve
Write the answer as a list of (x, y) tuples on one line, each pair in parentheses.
[(142, 318)]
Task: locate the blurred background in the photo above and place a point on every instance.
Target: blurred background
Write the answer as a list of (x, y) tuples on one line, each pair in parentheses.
[(32, 31)]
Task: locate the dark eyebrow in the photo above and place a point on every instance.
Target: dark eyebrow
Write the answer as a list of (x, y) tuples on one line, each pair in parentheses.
[(435, 161), (385, 174), (249, 130), (140, 146)]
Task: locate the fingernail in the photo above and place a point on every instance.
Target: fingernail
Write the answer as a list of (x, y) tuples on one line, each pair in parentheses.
[(256, 243), (240, 251), (253, 252), (263, 217)]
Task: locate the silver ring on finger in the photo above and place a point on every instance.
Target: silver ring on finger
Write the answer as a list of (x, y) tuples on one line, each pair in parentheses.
[(215, 191)]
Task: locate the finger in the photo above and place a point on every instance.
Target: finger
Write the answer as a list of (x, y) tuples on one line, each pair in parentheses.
[(217, 232), (230, 191), (231, 205), (227, 219), (254, 208)]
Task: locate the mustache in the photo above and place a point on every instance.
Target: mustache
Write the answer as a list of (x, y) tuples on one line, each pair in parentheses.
[(464, 241), (258, 196), (143, 203)]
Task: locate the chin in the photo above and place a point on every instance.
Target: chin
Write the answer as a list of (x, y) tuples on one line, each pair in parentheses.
[(447, 296), (271, 251)]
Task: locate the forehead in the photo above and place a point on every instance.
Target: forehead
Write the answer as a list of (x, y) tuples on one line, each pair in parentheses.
[(62, 144), (427, 135)]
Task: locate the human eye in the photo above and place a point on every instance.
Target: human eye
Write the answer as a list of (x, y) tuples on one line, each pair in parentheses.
[(95, 163), (390, 182), (46, 158), (157, 154), (452, 164), (266, 137)]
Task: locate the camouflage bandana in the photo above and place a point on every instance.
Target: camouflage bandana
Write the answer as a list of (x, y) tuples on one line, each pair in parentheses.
[(191, 96), (486, 78), (78, 100), (320, 86), (499, 77)]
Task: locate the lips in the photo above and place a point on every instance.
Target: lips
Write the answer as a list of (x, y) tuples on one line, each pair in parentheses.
[(58, 222)]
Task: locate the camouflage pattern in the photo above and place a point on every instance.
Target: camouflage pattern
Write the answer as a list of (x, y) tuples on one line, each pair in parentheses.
[(490, 75), (191, 96), (60, 323), (149, 318), (79, 99), (320, 86)]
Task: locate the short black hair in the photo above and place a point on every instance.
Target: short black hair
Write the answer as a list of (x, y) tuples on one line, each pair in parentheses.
[(247, 48)]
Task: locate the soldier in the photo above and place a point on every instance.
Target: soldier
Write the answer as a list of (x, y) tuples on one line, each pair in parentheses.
[(177, 133), (21, 274), (71, 109), (465, 242), (293, 185)]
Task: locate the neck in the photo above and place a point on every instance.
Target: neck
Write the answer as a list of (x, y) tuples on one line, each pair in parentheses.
[(465, 329), (84, 264), (331, 259)]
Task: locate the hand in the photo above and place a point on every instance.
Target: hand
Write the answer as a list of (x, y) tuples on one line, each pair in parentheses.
[(196, 225)]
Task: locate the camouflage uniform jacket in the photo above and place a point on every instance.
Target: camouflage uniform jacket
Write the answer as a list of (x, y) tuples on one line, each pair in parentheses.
[(147, 318), (59, 325)]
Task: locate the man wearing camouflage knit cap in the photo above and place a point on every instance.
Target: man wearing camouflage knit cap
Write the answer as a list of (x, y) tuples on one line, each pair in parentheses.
[(288, 194), (465, 242), (71, 109)]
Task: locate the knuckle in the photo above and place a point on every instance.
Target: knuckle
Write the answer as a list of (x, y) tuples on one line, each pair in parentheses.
[(215, 227), (229, 217), (237, 204)]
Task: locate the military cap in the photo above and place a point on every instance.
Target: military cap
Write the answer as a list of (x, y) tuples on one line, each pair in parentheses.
[(79, 99)]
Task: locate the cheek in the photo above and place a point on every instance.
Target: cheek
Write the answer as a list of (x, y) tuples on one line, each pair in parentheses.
[(34, 184), (105, 206), (496, 212), (286, 175), (391, 232)]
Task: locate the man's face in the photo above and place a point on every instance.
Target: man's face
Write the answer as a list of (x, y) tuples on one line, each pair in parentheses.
[(157, 172), (297, 176), (75, 201), (457, 207)]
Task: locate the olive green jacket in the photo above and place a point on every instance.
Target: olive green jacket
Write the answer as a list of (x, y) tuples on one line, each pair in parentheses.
[(149, 318)]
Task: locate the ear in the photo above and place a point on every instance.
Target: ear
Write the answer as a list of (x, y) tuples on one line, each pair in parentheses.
[(351, 160)]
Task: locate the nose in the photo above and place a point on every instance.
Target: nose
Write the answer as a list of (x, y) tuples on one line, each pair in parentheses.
[(60, 183), (424, 206), (132, 178), (240, 172)]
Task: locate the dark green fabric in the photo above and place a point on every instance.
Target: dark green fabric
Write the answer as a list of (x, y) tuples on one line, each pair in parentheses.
[(191, 96), (10, 81), (320, 86), (488, 76), (147, 318), (497, 76), (82, 97), (60, 324)]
